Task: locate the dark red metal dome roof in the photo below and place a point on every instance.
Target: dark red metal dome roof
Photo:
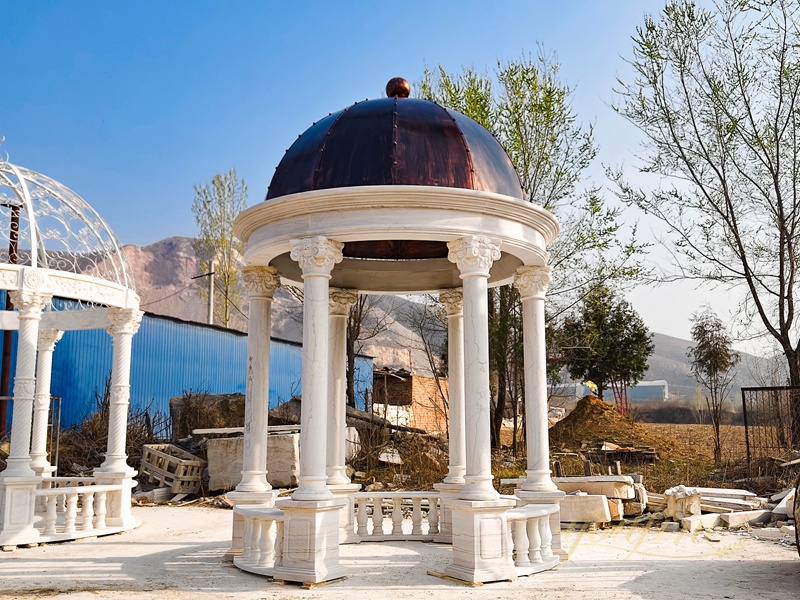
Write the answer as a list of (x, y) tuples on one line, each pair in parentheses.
[(396, 141)]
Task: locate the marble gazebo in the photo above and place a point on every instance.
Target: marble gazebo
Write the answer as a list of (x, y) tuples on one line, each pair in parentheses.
[(63, 269), (396, 196)]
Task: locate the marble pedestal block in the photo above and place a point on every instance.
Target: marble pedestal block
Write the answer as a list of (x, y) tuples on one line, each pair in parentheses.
[(482, 543), (447, 493), (310, 540), (16, 510)]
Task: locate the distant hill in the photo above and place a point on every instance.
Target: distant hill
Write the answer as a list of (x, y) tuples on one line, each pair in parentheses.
[(670, 362), (163, 273)]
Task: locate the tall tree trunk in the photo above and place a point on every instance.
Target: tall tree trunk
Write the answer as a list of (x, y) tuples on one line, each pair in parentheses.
[(793, 359)]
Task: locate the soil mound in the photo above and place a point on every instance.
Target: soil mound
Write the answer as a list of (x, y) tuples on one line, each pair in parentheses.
[(595, 422)]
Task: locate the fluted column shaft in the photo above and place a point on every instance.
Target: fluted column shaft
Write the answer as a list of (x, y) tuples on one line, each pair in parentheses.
[(316, 257), (41, 403), (474, 256), (124, 324), (340, 302), (532, 283), (453, 303), (29, 304), (260, 283)]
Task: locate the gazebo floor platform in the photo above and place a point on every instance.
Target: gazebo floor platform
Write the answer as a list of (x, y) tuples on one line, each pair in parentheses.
[(182, 553)]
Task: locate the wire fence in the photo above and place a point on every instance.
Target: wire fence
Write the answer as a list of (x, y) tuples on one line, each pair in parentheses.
[(771, 421)]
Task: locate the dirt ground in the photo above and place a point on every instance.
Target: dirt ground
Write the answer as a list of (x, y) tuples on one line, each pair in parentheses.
[(179, 553)]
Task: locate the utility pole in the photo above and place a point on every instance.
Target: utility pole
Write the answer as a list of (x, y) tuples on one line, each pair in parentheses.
[(210, 276)]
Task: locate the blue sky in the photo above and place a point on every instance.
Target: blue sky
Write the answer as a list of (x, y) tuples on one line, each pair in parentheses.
[(132, 103)]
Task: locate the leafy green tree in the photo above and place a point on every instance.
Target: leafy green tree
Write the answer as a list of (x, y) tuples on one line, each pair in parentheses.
[(525, 105), (610, 343), (716, 95), (712, 359), (215, 207)]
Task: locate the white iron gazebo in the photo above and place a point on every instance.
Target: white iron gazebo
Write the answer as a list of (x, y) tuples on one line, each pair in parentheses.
[(63, 269), (396, 196)]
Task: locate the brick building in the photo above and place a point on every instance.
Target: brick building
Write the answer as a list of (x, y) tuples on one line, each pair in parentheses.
[(410, 400)]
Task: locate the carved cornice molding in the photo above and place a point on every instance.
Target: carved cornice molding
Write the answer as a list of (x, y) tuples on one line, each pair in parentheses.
[(316, 255), (124, 320), (474, 254), (453, 301), (340, 300), (532, 282), (261, 281)]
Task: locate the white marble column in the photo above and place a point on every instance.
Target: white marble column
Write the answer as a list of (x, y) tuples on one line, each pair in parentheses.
[(260, 283), (124, 324), (474, 256), (30, 301), (339, 303), (532, 284), (316, 257), (453, 304), (41, 403)]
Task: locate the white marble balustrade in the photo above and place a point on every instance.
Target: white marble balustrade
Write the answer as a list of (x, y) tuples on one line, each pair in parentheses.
[(262, 539), (380, 516), (532, 537), (74, 507)]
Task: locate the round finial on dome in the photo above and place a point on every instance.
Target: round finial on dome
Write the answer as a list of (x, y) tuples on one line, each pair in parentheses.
[(398, 88)]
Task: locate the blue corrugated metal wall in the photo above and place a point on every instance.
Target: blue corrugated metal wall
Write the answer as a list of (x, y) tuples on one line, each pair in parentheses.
[(170, 357)]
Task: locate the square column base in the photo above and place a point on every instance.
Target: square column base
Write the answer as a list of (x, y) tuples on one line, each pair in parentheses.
[(17, 511), (347, 520), (482, 543), (310, 541), (267, 498), (555, 518), (447, 493)]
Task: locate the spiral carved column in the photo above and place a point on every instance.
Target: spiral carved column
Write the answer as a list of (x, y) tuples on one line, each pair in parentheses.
[(124, 324), (29, 304), (41, 404)]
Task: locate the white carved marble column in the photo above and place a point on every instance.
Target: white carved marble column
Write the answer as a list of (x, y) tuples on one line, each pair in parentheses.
[(311, 517), (316, 257), (30, 301), (474, 256), (339, 303), (18, 482), (124, 324), (532, 283), (260, 283), (453, 303), (41, 404)]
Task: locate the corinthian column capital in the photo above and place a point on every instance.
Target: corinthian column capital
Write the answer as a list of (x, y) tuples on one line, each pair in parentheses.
[(453, 301), (474, 254), (340, 300), (124, 320), (261, 282), (48, 338), (532, 282), (316, 255)]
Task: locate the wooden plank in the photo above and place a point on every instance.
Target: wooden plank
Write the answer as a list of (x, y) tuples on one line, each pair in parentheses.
[(441, 575)]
